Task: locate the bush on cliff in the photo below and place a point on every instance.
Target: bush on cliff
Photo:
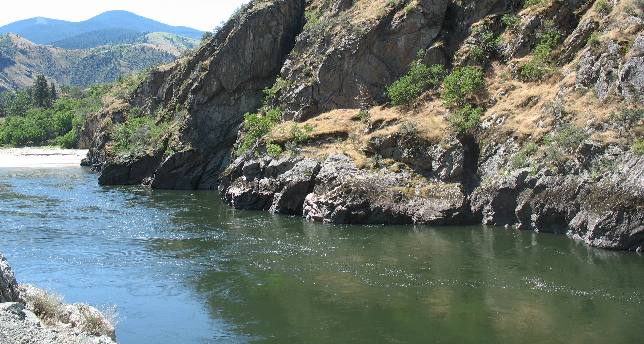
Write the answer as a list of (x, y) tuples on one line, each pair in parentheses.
[(539, 66), (136, 134), (638, 147), (256, 126), (418, 79), (462, 86), (466, 118)]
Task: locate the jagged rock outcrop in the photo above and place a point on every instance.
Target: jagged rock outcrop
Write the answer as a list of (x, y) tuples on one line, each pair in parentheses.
[(564, 16), (350, 67), (608, 70), (336, 191), (205, 97), (8, 286), (604, 210)]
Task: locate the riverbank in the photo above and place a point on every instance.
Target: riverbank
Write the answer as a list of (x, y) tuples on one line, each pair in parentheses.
[(31, 315), (39, 157)]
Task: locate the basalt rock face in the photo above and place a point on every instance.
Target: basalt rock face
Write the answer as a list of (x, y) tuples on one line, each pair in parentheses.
[(333, 68), (604, 209), (607, 70), (208, 94), (335, 190)]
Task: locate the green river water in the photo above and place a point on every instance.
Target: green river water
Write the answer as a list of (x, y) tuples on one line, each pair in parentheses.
[(181, 267)]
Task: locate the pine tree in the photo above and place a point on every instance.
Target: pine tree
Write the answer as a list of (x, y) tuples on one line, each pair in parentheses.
[(41, 93), (53, 94)]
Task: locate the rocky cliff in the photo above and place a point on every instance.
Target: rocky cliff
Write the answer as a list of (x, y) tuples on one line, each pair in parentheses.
[(509, 113), (203, 98)]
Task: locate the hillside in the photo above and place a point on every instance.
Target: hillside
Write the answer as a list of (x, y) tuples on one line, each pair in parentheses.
[(113, 27), (21, 60), (524, 114)]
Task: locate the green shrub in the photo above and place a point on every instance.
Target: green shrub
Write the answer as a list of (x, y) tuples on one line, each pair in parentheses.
[(486, 40), (136, 135), (69, 140), (520, 159), (364, 116), (256, 126), (462, 85), (273, 91), (629, 118), (418, 79), (594, 41), (300, 134), (466, 118), (603, 7), (37, 127), (567, 137), (274, 150), (16, 103), (539, 66), (530, 3), (477, 53), (638, 147), (511, 21), (312, 18), (59, 124), (547, 42), (533, 70)]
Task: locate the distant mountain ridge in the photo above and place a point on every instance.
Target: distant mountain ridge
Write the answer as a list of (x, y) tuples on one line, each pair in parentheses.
[(22, 60), (117, 23)]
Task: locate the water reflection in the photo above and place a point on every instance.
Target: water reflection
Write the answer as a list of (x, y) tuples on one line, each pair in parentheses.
[(185, 268)]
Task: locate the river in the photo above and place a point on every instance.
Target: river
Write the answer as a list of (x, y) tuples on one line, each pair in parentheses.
[(181, 267)]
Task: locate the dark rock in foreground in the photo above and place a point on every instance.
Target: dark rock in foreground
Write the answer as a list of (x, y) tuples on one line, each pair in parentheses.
[(8, 285), (31, 315)]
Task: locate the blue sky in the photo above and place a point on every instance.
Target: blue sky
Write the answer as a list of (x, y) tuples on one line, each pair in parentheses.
[(199, 14)]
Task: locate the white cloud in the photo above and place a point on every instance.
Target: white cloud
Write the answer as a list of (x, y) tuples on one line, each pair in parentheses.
[(199, 14)]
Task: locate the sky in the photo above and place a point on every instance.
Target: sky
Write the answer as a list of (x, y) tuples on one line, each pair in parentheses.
[(203, 15)]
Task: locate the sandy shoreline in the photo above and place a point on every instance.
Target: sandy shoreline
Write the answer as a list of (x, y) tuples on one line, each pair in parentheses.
[(40, 157)]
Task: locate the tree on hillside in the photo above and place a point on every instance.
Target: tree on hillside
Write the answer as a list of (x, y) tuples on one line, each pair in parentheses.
[(41, 92), (53, 94), (15, 103)]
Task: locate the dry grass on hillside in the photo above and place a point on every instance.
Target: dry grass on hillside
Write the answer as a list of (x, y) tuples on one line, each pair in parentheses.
[(347, 131)]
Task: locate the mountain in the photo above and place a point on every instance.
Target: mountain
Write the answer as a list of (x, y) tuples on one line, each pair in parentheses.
[(97, 38), (22, 60), (106, 28)]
